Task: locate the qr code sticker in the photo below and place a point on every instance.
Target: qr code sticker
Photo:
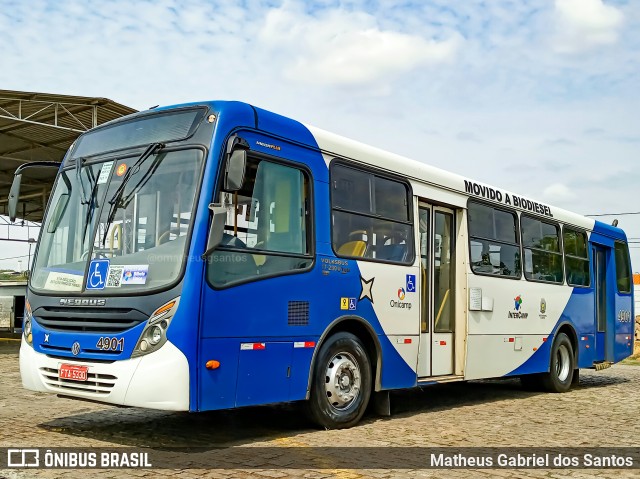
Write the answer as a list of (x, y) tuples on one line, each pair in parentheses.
[(114, 278)]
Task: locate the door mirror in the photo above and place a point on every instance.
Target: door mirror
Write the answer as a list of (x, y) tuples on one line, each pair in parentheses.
[(14, 193), (234, 172), (217, 228), (14, 196)]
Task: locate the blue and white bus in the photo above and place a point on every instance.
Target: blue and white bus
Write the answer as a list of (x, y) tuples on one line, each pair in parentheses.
[(216, 255)]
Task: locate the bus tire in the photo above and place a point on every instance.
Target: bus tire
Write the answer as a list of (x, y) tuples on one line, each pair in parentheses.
[(342, 382), (575, 381), (561, 367)]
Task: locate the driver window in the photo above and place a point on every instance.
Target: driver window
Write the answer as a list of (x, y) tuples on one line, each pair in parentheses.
[(266, 231)]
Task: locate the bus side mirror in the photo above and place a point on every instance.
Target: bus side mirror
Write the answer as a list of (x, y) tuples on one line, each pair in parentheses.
[(14, 196), (14, 193), (217, 228), (235, 169)]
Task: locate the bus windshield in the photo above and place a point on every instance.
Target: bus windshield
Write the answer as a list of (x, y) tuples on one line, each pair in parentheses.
[(100, 238)]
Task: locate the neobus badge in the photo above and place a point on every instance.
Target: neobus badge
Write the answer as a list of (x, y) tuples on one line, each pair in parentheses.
[(82, 302)]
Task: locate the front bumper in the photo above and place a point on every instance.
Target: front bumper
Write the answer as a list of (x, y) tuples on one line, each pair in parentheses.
[(159, 380)]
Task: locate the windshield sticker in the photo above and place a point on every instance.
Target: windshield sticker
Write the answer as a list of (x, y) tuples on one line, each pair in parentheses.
[(59, 281), (122, 169), (105, 171), (135, 274), (114, 278), (97, 276)]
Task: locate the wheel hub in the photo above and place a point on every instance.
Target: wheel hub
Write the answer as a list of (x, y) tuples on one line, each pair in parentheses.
[(563, 363), (342, 381)]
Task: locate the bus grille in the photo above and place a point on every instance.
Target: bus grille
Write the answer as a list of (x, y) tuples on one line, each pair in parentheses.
[(63, 349), (100, 384), (104, 320)]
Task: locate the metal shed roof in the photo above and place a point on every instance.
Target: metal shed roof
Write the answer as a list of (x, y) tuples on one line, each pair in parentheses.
[(42, 126)]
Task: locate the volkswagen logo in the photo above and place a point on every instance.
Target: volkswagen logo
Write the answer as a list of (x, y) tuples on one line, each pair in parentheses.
[(75, 349)]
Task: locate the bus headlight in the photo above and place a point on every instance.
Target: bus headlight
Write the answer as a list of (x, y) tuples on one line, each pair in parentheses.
[(26, 324), (154, 334)]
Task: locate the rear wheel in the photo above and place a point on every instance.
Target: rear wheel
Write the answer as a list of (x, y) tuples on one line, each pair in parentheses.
[(560, 375), (342, 382)]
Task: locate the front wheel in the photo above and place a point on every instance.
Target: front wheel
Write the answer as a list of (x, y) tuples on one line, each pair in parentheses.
[(560, 375), (342, 382)]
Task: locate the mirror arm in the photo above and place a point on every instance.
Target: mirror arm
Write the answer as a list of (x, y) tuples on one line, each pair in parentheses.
[(14, 193), (37, 164), (236, 142), (216, 231)]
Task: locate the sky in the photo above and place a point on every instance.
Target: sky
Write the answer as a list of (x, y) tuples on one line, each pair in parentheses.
[(539, 97)]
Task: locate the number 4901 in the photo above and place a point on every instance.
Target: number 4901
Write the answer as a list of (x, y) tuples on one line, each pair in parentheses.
[(106, 343)]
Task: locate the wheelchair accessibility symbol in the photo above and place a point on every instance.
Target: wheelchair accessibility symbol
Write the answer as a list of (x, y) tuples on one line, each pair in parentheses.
[(411, 283), (97, 276)]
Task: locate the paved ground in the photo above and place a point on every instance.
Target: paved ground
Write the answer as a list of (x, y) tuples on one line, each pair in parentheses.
[(602, 411)]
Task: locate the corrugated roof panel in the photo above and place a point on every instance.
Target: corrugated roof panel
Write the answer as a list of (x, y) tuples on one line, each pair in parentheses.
[(29, 131)]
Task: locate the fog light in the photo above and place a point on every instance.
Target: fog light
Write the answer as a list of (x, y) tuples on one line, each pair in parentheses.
[(143, 345)]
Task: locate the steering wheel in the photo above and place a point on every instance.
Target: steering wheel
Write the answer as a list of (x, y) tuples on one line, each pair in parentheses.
[(99, 255), (357, 235), (164, 235)]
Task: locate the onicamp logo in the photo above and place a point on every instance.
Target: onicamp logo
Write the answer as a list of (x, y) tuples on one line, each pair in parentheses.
[(517, 313), (400, 304)]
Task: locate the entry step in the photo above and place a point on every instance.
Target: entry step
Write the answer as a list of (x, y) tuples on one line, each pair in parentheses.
[(602, 365), (451, 378)]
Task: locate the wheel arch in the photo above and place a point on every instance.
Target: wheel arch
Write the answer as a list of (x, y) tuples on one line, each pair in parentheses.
[(363, 331), (567, 328)]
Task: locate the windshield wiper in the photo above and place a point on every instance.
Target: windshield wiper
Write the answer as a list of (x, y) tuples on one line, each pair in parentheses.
[(92, 203), (117, 196), (83, 194)]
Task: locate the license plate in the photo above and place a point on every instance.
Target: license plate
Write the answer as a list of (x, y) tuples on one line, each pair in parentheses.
[(73, 372)]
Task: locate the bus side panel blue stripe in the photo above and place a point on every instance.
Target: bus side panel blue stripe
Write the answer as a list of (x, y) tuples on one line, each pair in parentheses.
[(538, 362), (396, 373)]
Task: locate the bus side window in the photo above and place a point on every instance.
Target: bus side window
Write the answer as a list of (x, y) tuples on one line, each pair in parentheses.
[(371, 216), (576, 257), (541, 243), (494, 245), (623, 269)]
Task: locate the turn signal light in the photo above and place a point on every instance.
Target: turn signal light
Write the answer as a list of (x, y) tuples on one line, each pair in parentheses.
[(212, 364), (163, 309)]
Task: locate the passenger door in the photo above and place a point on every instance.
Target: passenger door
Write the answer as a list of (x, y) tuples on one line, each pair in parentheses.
[(437, 272), (602, 342)]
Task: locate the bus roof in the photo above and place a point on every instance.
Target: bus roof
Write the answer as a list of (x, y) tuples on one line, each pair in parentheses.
[(332, 144)]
